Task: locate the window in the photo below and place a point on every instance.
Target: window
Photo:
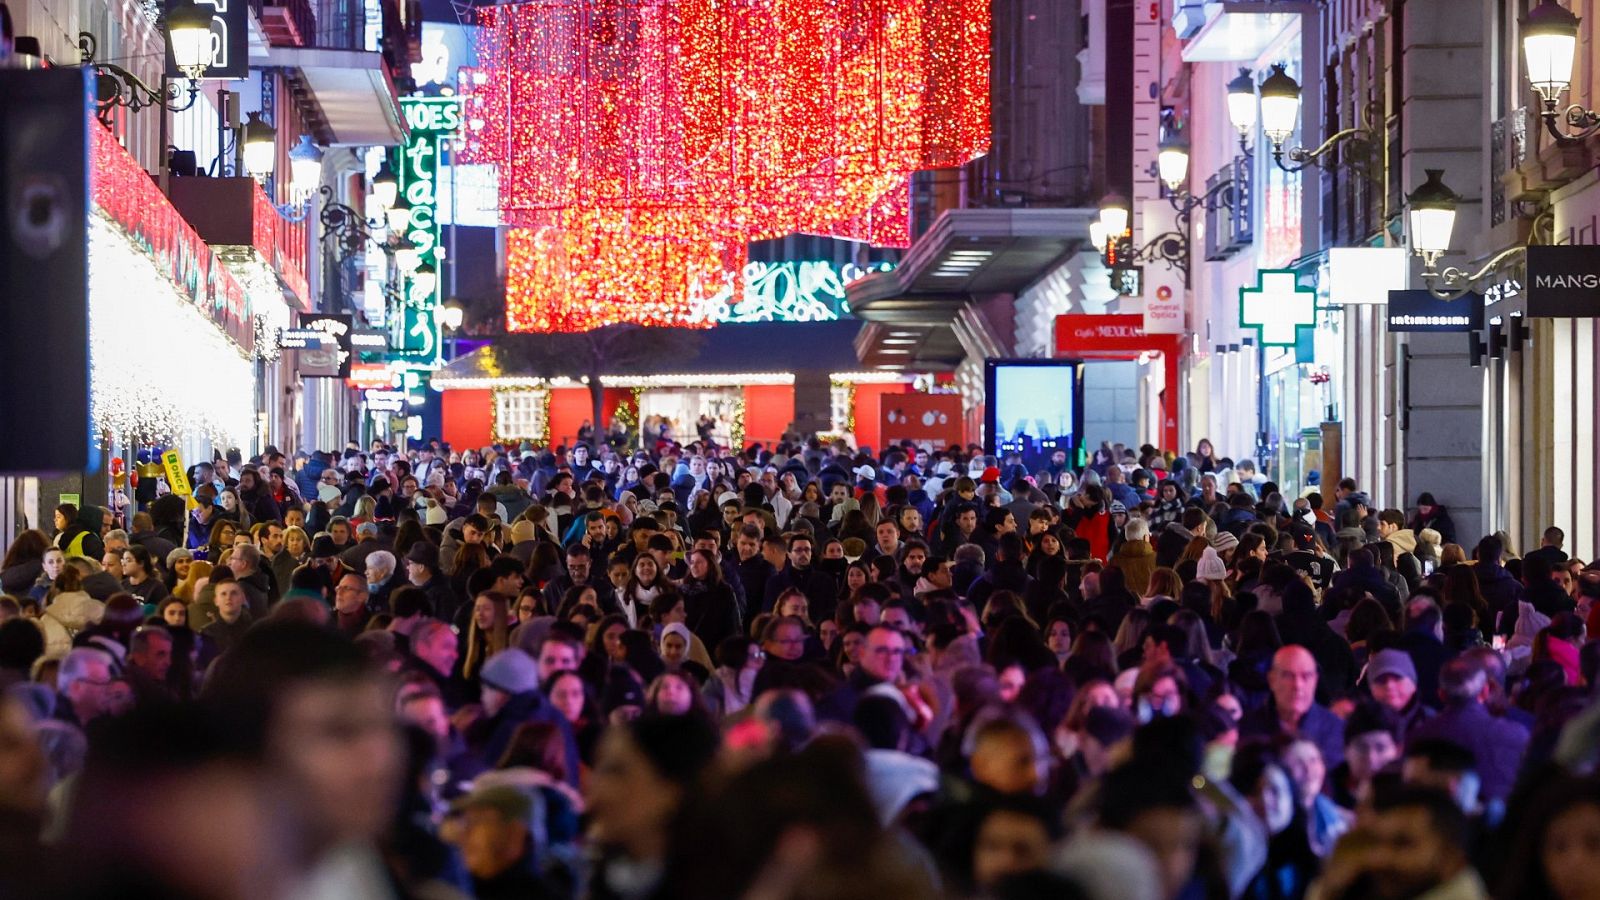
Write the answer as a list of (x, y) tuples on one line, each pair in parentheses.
[(519, 414)]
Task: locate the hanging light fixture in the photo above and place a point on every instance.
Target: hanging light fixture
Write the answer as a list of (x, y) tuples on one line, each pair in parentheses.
[(1242, 104), (426, 278), (1114, 215), (407, 256), (1431, 215), (260, 142), (385, 187), (398, 215), (451, 314), (1172, 161), (305, 167), (1280, 106), (189, 34), (1549, 47)]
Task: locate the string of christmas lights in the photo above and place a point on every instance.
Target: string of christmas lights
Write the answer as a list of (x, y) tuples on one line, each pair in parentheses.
[(641, 144)]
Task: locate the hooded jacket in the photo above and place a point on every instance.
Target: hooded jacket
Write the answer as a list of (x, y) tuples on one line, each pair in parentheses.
[(1137, 560), (82, 537)]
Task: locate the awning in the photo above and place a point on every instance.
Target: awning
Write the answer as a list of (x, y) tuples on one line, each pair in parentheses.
[(968, 254), (347, 95), (1239, 30)]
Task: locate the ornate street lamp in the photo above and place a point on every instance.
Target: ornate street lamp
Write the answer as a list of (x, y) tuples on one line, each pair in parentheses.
[(1549, 47), (1430, 219)]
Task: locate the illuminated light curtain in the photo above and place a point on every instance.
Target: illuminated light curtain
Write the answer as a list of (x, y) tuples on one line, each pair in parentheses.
[(643, 143)]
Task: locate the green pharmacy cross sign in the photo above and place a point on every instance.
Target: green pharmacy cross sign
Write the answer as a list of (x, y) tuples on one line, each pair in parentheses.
[(1277, 307), (414, 326)]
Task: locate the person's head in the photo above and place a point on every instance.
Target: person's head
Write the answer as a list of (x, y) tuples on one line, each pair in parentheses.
[(1005, 756), (350, 594), (643, 772), (230, 599), (1293, 680), (85, 678), (1013, 837), (558, 654), (53, 562), (436, 645), (323, 717), (1559, 851), (137, 562), (671, 694), (174, 611), (884, 654), (1392, 678), (1462, 680), (1156, 807), (1371, 740), (800, 550), (1264, 779), (567, 692), (150, 652), (380, 567), (784, 638), (1418, 841)]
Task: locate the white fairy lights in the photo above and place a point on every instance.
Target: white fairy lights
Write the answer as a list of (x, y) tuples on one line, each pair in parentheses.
[(160, 370)]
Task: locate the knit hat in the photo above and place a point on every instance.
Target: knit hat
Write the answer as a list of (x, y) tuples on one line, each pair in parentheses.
[(1224, 541), (512, 671), (1211, 567), (522, 531), (1117, 506), (1391, 662), (323, 547), (991, 475), (435, 514)]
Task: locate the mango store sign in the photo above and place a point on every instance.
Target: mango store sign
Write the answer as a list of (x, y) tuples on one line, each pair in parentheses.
[(1563, 281)]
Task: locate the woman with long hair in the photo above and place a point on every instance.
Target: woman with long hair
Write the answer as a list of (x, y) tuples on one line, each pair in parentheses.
[(1461, 586), (488, 632), (1164, 582), (709, 603), (646, 582), (469, 559), (24, 562), (223, 531), (139, 575), (199, 570)]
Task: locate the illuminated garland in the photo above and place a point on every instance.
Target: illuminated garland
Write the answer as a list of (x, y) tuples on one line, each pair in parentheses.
[(641, 144), (849, 387), (736, 427)]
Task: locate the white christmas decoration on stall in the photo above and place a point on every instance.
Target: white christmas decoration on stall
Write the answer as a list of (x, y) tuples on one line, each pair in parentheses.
[(159, 369)]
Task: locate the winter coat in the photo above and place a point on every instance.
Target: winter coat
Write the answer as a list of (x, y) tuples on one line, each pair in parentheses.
[(1438, 520), (18, 579), (1501, 592), (1497, 743), (82, 537), (1137, 560), (1171, 543)]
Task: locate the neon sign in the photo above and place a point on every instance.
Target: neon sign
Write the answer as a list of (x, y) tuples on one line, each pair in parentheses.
[(432, 121), (809, 291)]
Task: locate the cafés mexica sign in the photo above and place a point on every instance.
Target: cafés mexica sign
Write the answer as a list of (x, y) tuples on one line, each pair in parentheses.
[(1563, 281)]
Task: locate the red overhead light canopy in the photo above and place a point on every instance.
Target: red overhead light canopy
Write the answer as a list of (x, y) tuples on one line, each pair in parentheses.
[(642, 143)]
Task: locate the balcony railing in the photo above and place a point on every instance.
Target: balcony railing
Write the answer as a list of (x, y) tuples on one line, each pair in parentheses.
[(1230, 227), (1508, 149)]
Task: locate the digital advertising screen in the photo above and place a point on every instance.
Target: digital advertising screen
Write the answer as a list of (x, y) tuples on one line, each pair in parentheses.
[(1033, 407)]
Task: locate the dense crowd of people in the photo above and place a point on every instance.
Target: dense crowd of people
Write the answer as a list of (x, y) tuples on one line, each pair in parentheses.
[(802, 670)]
